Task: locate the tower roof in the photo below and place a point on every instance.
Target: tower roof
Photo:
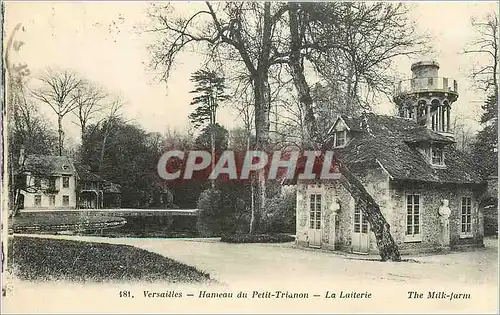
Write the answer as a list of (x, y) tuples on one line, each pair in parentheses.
[(425, 64)]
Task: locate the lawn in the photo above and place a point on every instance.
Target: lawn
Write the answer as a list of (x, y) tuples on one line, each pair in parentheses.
[(41, 259)]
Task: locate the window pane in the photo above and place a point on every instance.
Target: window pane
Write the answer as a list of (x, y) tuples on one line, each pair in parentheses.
[(416, 209), (409, 219)]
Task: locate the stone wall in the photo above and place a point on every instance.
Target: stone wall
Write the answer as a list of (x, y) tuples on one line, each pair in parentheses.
[(391, 197), (431, 198), (302, 216), (376, 183), (330, 191)]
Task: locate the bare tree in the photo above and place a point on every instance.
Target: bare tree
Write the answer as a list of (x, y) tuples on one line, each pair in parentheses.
[(109, 123), (244, 32), (88, 99), (57, 91), (485, 45), (464, 134)]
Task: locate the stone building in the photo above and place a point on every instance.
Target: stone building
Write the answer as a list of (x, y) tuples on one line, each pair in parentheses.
[(430, 193)]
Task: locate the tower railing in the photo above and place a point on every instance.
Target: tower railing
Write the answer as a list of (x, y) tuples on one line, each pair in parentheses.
[(427, 84)]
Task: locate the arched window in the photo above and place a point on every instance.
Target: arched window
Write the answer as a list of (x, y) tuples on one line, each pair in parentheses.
[(435, 114), (446, 116), (422, 108)]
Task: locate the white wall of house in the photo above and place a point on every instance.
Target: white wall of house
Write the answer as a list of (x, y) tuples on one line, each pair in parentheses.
[(62, 198)]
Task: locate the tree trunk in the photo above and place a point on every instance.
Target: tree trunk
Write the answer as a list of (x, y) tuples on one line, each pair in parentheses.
[(83, 126), (103, 147), (212, 144), (262, 126), (61, 134), (299, 79)]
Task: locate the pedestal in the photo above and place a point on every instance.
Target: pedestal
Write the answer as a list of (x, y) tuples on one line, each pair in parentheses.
[(331, 237), (445, 232)]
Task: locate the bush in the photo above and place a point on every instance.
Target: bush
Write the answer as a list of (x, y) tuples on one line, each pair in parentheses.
[(261, 238), (491, 219), (226, 210), (208, 222), (220, 212), (279, 215)]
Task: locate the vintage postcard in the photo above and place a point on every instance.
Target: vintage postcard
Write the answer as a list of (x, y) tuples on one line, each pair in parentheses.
[(249, 157)]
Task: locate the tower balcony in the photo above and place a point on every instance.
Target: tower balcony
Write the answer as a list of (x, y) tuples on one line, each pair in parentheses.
[(427, 84)]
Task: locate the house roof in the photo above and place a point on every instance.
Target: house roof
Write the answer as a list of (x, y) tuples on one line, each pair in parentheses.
[(49, 165), (391, 142), (112, 188), (85, 174)]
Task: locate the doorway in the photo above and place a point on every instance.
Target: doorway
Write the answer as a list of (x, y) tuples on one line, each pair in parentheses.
[(315, 214), (361, 232)]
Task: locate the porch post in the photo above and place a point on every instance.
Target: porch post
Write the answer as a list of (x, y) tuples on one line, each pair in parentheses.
[(335, 206)]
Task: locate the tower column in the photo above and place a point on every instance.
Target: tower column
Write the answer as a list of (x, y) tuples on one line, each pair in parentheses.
[(428, 122), (448, 119)]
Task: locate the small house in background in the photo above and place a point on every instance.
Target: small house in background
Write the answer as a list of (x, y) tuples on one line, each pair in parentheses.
[(90, 189), (112, 195), (49, 182)]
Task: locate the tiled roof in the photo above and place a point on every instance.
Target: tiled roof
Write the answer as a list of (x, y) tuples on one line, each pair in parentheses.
[(391, 142), (49, 164), (112, 188), (86, 175)]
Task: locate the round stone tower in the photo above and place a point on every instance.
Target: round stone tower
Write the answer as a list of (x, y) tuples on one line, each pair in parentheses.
[(426, 98)]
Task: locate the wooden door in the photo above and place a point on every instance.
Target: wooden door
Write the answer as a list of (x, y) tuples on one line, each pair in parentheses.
[(315, 206), (360, 235)]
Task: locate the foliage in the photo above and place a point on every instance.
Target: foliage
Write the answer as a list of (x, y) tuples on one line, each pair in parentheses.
[(31, 132), (258, 238), (39, 259), (210, 92), (279, 215), (491, 218), (224, 210), (129, 159), (203, 141), (485, 149)]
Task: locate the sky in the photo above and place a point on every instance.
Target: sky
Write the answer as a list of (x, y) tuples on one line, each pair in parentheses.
[(102, 42)]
